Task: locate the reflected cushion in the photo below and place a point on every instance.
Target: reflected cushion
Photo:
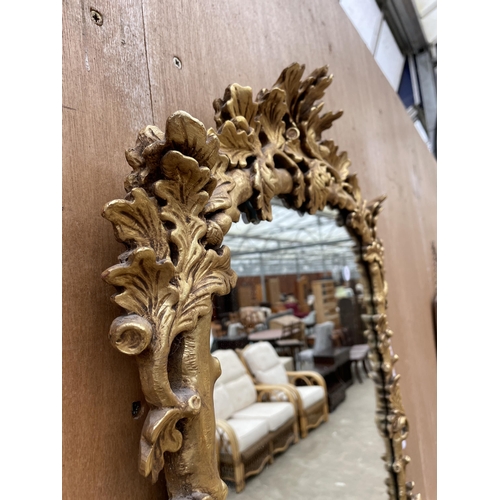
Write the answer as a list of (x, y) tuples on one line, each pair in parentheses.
[(265, 363), (232, 367), (248, 431), (242, 392), (275, 414), (222, 402), (235, 380)]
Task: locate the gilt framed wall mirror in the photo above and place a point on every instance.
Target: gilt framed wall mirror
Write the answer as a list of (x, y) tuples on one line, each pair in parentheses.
[(216, 411)]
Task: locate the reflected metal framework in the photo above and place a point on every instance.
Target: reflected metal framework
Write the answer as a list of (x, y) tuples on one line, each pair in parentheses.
[(187, 187), (263, 250)]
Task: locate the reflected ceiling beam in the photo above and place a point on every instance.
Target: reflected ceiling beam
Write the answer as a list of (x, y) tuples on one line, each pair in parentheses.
[(246, 237), (300, 236), (308, 227), (275, 227), (294, 247), (327, 214)]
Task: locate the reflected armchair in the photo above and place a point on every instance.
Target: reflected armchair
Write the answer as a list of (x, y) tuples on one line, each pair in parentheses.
[(309, 388), (249, 431)]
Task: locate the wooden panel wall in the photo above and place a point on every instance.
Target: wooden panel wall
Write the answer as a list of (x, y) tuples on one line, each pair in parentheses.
[(119, 77)]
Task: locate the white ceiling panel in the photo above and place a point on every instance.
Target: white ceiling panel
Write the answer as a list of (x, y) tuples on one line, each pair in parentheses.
[(366, 18), (423, 7), (389, 57), (429, 26)]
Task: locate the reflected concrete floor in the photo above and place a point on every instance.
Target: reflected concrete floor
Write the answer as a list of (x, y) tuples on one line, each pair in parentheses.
[(339, 460)]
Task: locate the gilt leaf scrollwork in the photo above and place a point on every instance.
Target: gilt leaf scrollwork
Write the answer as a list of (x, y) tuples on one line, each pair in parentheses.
[(281, 130), (173, 265)]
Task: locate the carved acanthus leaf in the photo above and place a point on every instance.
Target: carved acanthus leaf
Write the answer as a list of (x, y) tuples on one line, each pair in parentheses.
[(374, 252), (264, 181), (317, 183), (338, 165), (189, 136), (311, 90), (286, 122), (298, 195), (271, 109), (237, 102), (146, 285), (294, 150), (289, 81), (238, 145), (396, 399), (137, 223), (159, 435), (213, 276)]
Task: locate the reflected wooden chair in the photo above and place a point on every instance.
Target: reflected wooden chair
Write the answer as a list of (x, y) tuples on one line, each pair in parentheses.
[(292, 341), (252, 318), (309, 322), (323, 341), (309, 388), (359, 354)]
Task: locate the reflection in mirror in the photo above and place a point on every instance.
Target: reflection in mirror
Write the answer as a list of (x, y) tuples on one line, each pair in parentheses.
[(297, 307)]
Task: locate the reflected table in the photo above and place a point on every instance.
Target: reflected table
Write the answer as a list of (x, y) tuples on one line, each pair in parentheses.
[(334, 365), (234, 342), (266, 335)]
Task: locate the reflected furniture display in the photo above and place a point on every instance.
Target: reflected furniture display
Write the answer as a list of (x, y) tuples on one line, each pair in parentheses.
[(336, 356), (284, 321), (235, 329), (308, 387), (288, 340), (249, 431), (269, 335), (227, 342), (295, 306), (286, 312), (292, 341), (301, 288), (350, 319), (253, 318), (334, 365), (273, 291), (325, 303), (335, 385), (309, 322), (323, 333)]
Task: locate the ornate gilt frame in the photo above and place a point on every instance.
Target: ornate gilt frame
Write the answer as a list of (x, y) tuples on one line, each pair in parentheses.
[(187, 187)]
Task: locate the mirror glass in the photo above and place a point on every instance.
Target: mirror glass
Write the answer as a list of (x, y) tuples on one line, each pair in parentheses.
[(303, 269)]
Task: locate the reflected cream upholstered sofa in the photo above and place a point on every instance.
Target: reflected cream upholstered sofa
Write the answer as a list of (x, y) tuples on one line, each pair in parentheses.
[(309, 388), (249, 431)]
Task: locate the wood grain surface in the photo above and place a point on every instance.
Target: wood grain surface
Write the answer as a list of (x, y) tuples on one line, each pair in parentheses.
[(121, 76), (106, 100)]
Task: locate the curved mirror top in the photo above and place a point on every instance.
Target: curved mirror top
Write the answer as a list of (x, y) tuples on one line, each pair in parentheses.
[(291, 264)]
